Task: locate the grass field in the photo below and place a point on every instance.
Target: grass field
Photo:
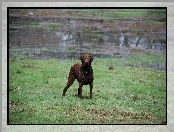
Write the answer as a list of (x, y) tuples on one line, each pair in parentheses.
[(121, 94), (99, 13)]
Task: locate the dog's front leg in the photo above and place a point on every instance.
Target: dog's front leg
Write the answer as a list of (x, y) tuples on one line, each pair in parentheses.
[(80, 90), (91, 87)]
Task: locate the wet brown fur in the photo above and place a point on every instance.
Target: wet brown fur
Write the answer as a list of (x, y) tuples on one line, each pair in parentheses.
[(83, 72)]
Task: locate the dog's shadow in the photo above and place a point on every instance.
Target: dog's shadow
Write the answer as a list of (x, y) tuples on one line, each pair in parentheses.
[(83, 97)]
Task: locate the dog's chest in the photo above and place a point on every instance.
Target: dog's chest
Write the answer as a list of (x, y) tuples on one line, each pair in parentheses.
[(86, 76)]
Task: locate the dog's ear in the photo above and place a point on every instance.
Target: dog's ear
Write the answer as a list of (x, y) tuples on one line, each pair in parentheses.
[(81, 57), (91, 58)]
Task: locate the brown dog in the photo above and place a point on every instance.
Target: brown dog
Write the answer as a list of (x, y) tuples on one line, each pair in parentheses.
[(83, 73)]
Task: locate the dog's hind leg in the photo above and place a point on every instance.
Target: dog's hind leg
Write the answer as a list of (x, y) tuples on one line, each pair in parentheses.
[(70, 82)]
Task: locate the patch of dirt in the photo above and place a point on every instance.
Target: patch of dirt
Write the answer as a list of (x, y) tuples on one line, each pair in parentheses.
[(115, 116), (27, 66)]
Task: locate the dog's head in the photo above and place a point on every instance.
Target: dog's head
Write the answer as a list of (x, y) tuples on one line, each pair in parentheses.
[(86, 59)]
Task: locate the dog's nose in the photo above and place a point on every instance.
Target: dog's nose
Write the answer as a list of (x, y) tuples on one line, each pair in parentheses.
[(86, 61)]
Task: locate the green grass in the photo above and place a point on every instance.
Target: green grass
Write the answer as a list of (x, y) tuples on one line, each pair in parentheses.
[(119, 13), (123, 95), (99, 13)]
